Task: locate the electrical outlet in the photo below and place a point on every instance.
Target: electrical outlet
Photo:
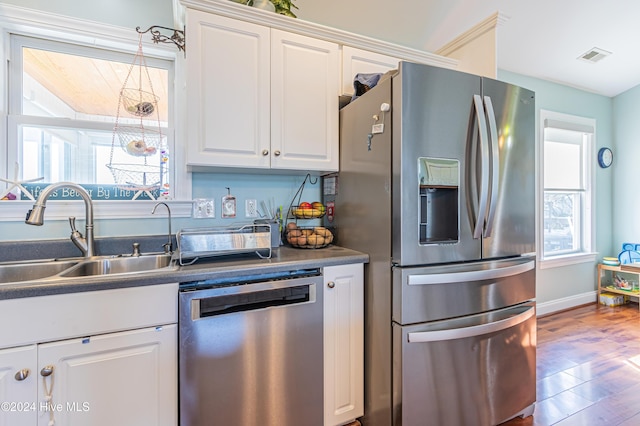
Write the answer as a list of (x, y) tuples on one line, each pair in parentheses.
[(251, 208)]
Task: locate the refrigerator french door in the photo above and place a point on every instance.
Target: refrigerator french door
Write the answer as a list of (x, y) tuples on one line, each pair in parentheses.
[(462, 166)]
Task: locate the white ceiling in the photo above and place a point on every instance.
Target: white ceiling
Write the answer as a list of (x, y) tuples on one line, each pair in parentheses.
[(538, 38)]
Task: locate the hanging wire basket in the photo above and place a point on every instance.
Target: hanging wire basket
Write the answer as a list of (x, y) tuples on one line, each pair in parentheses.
[(136, 175), (139, 102), (138, 140), (143, 142)]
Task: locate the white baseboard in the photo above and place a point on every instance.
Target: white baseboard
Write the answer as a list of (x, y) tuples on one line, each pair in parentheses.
[(556, 305)]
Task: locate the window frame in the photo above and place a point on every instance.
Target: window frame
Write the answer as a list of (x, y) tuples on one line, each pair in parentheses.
[(33, 23), (550, 119), (17, 118)]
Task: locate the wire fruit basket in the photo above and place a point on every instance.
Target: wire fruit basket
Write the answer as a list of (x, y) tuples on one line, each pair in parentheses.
[(138, 102), (314, 210), (307, 236), (136, 175), (138, 140), (311, 237)]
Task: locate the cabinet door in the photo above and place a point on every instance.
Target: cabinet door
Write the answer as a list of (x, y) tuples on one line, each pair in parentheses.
[(228, 84), (343, 343), (18, 392), (305, 78), (356, 61), (127, 378)]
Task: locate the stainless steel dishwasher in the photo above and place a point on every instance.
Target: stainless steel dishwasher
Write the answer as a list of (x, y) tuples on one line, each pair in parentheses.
[(251, 350)]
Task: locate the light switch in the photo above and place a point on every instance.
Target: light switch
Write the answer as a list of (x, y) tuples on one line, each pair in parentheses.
[(203, 208)]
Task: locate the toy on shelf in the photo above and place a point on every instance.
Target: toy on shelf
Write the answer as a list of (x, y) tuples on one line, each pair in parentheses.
[(630, 253)]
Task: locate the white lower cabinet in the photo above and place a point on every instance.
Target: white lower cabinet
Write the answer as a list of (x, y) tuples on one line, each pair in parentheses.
[(343, 343), (125, 378), (18, 386), (91, 358)]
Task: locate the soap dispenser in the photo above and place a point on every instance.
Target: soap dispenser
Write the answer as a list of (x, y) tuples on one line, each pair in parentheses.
[(228, 205)]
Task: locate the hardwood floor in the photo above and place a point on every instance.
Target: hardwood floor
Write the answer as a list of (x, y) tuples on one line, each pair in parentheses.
[(588, 368)]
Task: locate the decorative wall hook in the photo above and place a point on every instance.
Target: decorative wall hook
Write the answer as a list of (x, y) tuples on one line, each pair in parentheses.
[(177, 38)]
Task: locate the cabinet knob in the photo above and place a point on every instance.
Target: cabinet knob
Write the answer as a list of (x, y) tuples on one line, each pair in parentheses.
[(265, 152), (46, 371), (331, 284), (22, 374), (276, 153)]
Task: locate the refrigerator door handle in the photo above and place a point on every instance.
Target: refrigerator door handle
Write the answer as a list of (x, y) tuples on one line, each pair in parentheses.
[(495, 165), (472, 331), (466, 276), (484, 175)]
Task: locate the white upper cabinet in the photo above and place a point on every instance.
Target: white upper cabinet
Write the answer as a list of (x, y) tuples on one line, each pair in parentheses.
[(304, 102), (228, 92), (358, 61), (263, 89), (259, 97)]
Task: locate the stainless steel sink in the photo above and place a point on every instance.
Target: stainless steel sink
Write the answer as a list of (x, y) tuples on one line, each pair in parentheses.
[(118, 265), (28, 271)]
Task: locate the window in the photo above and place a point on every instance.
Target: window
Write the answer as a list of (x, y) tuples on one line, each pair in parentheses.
[(64, 102), (567, 175)]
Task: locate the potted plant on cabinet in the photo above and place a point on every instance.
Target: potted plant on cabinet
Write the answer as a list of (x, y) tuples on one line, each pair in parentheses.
[(283, 7)]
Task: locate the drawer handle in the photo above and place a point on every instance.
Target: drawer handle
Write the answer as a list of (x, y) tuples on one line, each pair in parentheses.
[(331, 284), (472, 331), (22, 374), (460, 277)]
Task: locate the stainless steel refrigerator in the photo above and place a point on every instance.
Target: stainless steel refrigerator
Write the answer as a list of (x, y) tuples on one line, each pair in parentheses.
[(436, 184)]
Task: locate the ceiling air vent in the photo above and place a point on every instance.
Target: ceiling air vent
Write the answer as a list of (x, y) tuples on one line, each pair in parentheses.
[(594, 55)]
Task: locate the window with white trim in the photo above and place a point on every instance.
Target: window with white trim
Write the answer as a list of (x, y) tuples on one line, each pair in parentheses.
[(567, 176), (64, 99)]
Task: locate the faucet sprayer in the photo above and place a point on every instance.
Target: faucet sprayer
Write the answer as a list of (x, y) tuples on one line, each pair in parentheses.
[(35, 216)]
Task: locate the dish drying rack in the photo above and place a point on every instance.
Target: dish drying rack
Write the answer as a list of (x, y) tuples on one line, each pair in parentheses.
[(197, 243)]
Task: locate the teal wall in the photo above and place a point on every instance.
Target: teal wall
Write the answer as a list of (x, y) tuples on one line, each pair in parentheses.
[(275, 189), (626, 154), (567, 281)]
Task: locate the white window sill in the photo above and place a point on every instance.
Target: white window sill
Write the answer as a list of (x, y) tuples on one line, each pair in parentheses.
[(567, 260), (11, 211)]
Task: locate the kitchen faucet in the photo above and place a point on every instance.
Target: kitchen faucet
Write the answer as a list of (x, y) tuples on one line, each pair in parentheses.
[(168, 246), (35, 216)]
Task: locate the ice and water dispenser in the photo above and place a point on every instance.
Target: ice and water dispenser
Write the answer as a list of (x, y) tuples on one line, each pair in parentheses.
[(439, 204)]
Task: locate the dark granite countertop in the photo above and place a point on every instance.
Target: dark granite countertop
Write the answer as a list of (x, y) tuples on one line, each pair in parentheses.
[(283, 258)]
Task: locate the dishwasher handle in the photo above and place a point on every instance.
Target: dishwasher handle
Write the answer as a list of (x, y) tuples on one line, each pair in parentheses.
[(224, 304), (472, 331)]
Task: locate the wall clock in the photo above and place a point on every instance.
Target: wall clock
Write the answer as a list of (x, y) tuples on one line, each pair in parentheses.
[(605, 157)]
